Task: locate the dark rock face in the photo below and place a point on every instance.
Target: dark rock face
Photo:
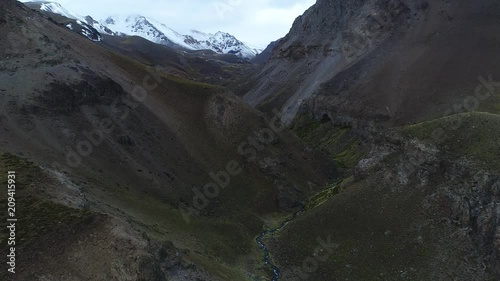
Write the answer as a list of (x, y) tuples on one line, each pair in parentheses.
[(266, 54), (358, 24), (474, 205)]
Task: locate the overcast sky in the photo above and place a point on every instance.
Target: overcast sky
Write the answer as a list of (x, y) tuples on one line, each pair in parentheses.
[(257, 22)]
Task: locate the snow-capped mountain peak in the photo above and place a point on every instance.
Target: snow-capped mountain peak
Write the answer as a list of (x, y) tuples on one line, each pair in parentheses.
[(147, 28), (87, 23), (152, 30), (220, 42)]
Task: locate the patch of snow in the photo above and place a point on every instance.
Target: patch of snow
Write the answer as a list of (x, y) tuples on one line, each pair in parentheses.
[(90, 35)]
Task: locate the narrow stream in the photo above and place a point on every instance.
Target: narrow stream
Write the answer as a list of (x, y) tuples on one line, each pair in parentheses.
[(267, 256)]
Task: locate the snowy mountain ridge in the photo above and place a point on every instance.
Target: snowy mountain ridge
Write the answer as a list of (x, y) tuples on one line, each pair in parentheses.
[(56, 8), (152, 30)]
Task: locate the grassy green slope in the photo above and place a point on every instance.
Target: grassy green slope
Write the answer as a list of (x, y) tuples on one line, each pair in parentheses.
[(37, 215), (475, 135)]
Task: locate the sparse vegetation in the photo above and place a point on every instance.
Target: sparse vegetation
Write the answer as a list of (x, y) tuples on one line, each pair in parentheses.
[(321, 197), (474, 135), (37, 215), (337, 141)]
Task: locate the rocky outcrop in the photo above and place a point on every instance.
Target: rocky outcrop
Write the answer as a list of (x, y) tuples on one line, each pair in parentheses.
[(466, 195), (473, 204)]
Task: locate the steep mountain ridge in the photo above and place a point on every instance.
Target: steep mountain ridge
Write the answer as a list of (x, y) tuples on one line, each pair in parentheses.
[(58, 9), (313, 52), (379, 60)]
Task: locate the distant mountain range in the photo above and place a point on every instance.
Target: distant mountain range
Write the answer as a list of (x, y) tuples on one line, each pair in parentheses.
[(150, 29)]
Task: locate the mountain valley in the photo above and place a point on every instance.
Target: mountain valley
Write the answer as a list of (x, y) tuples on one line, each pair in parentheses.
[(361, 146)]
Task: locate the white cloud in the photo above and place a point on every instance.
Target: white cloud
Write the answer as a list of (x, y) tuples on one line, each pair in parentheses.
[(257, 22)]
